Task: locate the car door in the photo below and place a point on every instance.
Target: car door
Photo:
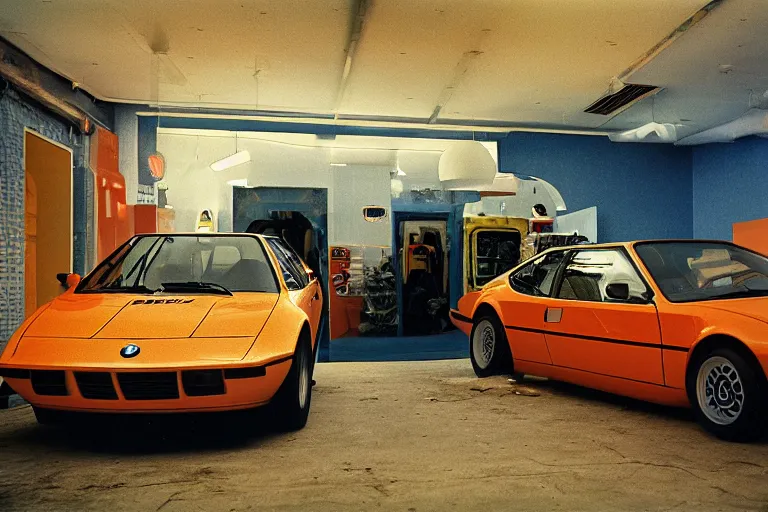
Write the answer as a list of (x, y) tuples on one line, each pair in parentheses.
[(589, 328), (524, 307)]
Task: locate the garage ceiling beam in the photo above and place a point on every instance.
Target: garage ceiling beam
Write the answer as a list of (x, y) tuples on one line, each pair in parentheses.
[(662, 45), (458, 74), (46, 87), (361, 9)]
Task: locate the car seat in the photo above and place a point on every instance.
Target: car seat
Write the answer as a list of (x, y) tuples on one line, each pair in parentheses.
[(248, 275), (669, 277)]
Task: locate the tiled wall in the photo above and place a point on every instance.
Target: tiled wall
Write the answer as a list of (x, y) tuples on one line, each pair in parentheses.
[(16, 113)]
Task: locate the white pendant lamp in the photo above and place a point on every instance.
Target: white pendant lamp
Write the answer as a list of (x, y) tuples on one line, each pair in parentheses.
[(466, 164)]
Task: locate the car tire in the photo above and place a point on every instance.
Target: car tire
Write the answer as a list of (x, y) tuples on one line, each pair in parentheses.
[(728, 395), (488, 348), (292, 401), (48, 417)]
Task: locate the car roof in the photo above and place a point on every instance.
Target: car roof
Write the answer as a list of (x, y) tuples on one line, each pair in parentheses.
[(208, 234), (608, 245)]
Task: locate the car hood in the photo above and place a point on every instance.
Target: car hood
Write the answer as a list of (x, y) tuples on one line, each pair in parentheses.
[(122, 316), (756, 308)]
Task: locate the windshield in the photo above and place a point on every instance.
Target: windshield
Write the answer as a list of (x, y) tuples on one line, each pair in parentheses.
[(184, 264), (692, 271)]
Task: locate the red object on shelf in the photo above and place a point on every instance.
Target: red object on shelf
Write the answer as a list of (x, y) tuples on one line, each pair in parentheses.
[(144, 218)]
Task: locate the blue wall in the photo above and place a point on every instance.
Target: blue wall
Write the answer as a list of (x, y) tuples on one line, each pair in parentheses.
[(730, 184), (17, 113), (641, 190)]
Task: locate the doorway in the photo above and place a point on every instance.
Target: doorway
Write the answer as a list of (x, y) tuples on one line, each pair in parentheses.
[(423, 273), (48, 218), (299, 215)]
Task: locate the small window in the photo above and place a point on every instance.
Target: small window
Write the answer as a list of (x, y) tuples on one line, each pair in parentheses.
[(537, 277), (589, 273), (375, 213)]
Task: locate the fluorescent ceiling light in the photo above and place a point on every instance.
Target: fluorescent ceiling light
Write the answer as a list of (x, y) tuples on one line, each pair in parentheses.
[(238, 183), (338, 165), (231, 161)]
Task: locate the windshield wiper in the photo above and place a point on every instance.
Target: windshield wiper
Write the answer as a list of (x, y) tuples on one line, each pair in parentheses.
[(196, 286), (141, 289)]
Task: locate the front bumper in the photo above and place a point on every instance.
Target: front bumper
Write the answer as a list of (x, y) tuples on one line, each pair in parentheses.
[(148, 390)]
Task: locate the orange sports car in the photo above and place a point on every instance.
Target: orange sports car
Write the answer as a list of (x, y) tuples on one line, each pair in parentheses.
[(173, 323), (674, 322)]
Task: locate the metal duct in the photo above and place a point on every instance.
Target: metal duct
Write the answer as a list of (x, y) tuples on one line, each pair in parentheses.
[(754, 122), (651, 132)]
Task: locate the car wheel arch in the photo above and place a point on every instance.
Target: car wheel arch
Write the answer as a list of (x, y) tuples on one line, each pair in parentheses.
[(714, 341), (305, 330), (486, 308)]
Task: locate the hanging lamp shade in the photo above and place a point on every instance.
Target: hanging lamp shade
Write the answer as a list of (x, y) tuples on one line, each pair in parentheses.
[(466, 164)]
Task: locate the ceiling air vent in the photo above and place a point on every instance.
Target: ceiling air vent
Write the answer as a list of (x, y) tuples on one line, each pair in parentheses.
[(620, 99)]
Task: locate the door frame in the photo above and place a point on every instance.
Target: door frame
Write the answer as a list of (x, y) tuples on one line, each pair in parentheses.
[(69, 150), (397, 245)]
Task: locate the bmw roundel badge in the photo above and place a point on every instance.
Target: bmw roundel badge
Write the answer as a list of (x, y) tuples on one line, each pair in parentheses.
[(130, 351)]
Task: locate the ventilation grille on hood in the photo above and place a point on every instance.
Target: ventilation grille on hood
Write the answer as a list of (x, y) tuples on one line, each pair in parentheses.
[(620, 99)]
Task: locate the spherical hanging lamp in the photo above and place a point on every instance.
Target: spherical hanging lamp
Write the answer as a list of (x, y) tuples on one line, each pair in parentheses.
[(466, 164)]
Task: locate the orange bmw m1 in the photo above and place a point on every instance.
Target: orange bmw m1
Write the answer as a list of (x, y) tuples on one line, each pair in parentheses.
[(674, 322), (175, 323)]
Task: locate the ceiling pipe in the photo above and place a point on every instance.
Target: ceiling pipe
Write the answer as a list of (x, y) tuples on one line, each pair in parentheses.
[(361, 13), (665, 43), (651, 132), (754, 122), (56, 93), (362, 123)]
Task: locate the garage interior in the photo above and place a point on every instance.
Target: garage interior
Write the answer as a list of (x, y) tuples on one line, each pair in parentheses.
[(402, 149)]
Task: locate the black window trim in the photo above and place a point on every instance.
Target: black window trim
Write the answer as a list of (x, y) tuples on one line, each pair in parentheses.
[(286, 246), (560, 276)]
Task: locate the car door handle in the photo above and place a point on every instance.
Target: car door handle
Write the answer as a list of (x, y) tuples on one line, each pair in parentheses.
[(553, 315)]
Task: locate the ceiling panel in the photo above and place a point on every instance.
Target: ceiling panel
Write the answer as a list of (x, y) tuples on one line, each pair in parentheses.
[(522, 62), (550, 76), (294, 47)]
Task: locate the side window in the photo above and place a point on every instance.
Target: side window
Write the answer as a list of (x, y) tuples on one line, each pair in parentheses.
[(537, 277), (295, 260), (291, 275), (589, 273)]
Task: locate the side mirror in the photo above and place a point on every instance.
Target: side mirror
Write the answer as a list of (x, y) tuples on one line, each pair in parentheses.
[(68, 280), (617, 291)]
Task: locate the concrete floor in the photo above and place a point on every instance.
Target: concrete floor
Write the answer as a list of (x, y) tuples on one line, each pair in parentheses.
[(393, 436)]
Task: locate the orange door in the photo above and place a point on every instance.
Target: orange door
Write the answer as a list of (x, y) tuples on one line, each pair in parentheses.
[(30, 247), (523, 309), (598, 329)]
